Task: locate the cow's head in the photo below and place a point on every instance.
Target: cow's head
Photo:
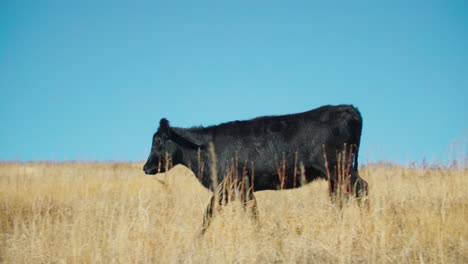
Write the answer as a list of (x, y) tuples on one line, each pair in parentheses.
[(162, 148)]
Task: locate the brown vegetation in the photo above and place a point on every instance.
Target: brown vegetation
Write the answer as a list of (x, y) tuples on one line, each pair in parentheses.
[(98, 212)]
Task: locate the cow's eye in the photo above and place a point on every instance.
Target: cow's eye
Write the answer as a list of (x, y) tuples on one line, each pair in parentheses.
[(158, 144)]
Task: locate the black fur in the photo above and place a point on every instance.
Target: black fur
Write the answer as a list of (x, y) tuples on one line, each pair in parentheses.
[(265, 141)]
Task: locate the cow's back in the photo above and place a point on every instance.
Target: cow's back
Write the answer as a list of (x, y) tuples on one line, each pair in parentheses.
[(271, 140)]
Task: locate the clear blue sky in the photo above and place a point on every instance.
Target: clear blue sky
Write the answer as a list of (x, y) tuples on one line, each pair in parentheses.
[(89, 80)]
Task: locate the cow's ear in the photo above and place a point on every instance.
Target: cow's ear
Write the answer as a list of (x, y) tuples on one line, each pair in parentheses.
[(164, 126)]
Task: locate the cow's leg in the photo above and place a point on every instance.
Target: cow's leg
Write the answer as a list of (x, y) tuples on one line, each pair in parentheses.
[(249, 202), (208, 214), (345, 183), (332, 181), (331, 187), (225, 195), (358, 184), (223, 198)]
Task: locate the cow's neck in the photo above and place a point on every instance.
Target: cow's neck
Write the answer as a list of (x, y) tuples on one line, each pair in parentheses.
[(194, 144)]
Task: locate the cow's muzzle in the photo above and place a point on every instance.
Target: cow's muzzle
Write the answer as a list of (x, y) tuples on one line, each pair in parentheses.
[(150, 170)]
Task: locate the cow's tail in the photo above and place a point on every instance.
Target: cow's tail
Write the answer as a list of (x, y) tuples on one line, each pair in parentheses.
[(355, 124), (356, 154)]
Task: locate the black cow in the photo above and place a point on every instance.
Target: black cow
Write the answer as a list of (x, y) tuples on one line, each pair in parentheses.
[(267, 142)]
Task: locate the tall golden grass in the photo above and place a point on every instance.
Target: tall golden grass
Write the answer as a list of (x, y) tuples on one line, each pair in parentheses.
[(104, 213)]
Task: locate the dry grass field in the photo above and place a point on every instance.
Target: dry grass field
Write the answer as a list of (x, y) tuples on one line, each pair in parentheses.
[(113, 213)]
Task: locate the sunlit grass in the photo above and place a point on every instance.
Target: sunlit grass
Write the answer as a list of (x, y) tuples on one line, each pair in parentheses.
[(92, 212)]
